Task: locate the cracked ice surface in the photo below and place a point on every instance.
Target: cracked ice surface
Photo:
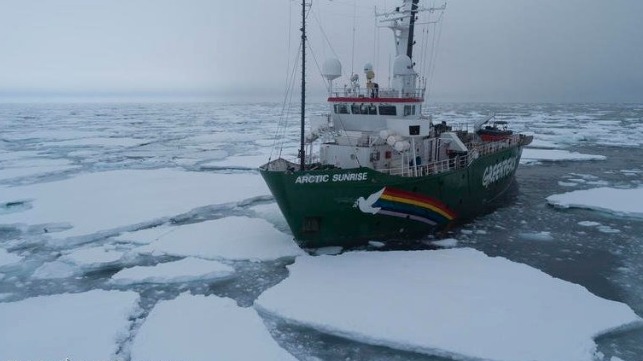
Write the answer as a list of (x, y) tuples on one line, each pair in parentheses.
[(622, 202), (456, 303), (81, 326), (109, 201), (204, 328)]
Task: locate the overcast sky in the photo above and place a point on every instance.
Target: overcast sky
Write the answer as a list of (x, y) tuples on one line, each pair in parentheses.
[(495, 50)]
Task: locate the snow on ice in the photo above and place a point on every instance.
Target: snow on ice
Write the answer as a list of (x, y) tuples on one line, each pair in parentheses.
[(530, 156), (92, 258), (200, 328), (185, 270), (7, 258), (455, 303), (109, 201), (231, 238), (621, 202), (82, 326), (144, 236), (446, 243)]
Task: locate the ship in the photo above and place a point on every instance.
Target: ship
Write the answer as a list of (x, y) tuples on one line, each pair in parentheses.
[(376, 167)]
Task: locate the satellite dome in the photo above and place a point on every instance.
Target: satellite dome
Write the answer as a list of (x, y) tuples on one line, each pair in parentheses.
[(368, 67), (332, 69), (403, 65)]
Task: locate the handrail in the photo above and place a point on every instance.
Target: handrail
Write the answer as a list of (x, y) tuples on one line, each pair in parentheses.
[(476, 151), (375, 93)]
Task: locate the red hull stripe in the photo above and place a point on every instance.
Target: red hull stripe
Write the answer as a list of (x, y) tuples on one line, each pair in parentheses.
[(374, 100)]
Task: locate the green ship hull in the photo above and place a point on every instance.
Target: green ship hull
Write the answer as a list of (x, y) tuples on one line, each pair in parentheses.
[(349, 207)]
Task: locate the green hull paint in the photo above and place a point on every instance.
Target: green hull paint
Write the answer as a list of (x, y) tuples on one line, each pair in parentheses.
[(321, 208)]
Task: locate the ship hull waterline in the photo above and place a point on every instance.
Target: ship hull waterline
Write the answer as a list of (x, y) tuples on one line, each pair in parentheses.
[(349, 207)]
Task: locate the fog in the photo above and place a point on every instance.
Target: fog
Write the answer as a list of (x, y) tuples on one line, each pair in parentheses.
[(496, 51)]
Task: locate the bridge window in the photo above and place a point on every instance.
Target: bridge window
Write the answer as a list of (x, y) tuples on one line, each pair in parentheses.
[(372, 109), (388, 110), (341, 109), (409, 110)]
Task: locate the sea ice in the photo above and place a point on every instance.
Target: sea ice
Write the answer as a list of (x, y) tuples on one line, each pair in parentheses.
[(56, 270), (144, 236), (92, 258), (238, 161), (7, 258), (622, 202), (201, 328), (530, 155), (537, 236), (99, 141), (455, 303), (588, 223), (81, 326), (446, 243), (185, 270), (111, 201), (232, 238)]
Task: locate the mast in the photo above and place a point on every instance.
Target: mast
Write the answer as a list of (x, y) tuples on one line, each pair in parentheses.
[(302, 150), (410, 42)]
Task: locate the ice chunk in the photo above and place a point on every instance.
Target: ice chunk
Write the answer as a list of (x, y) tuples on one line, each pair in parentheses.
[(456, 303), (622, 202), (233, 238), (200, 328), (55, 270), (126, 198), (446, 243), (82, 326), (91, 258), (7, 258), (185, 270), (553, 155), (537, 236), (588, 223), (238, 161), (144, 236)]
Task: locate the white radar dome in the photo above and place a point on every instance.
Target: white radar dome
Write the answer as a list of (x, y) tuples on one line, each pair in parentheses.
[(332, 69), (403, 65), (368, 67)]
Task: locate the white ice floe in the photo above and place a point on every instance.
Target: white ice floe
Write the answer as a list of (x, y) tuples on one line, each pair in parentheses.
[(200, 328), (456, 303), (144, 236), (28, 167), (185, 270), (622, 202), (56, 270), (588, 223), (446, 243), (113, 201), (537, 236), (232, 238), (554, 155), (238, 161), (82, 326), (94, 257), (98, 141), (7, 258)]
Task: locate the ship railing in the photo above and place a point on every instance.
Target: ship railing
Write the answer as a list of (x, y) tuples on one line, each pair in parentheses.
[(493, 147), (436, 167), (454, 162), (348, 92)]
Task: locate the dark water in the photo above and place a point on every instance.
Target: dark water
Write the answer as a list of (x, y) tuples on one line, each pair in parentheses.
[(606, 259)]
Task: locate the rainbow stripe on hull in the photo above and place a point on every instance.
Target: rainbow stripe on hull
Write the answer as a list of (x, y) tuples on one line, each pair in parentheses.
[(403, 204)]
